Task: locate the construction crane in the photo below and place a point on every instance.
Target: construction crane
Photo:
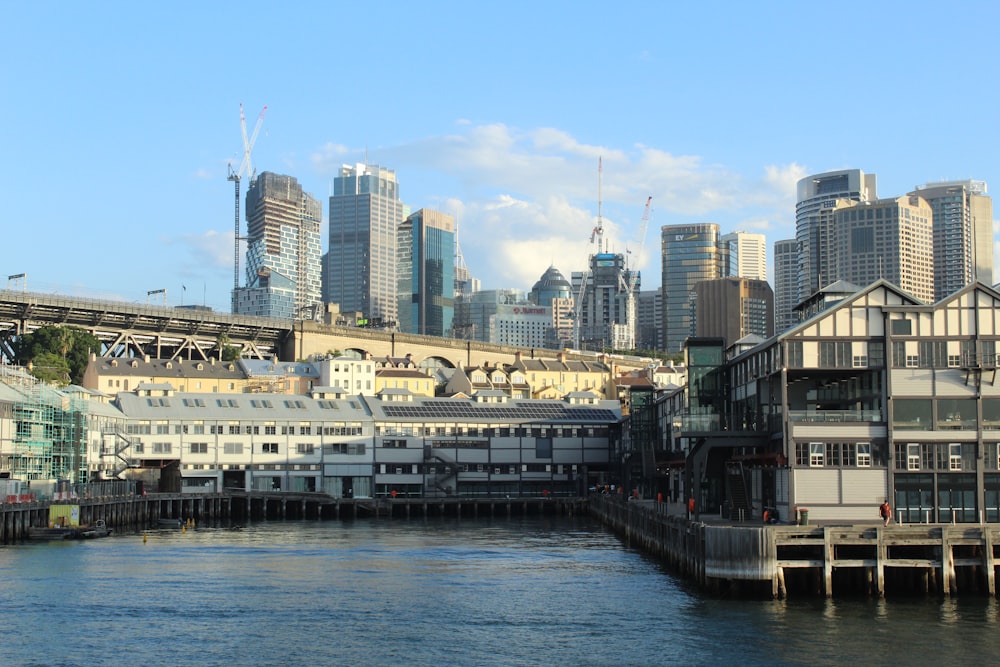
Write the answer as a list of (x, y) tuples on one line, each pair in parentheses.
[(632, 276), (596, 235), (246, 169)]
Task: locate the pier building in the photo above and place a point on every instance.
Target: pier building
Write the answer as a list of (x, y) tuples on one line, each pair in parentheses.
[(880, 396), (363, 446)]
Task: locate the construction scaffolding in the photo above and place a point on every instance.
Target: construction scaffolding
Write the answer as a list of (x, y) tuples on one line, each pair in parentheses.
[(47, 435)]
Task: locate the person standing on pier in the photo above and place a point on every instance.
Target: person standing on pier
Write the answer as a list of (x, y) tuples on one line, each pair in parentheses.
[(885, 512)]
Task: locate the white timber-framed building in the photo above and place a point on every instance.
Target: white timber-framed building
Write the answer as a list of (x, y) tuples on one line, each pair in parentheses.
[(878, 397)]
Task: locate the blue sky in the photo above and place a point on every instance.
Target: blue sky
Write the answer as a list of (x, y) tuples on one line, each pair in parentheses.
[(118, 121)]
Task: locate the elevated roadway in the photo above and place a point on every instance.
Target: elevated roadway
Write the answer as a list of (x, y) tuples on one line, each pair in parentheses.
[(163, 332)]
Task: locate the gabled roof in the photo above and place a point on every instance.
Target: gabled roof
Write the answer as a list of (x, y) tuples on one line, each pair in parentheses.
[(409, 373), (179, 368), (907, 299), (268, 368)]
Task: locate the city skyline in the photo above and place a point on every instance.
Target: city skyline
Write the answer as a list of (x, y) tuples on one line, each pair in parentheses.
[(97, 113)]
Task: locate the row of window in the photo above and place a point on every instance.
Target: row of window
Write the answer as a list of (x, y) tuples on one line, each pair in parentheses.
[(838, 454), (493, 468), (950, 456), (924, 354), (144, 428), (416, 430), (237, 448), (925, 414), (908, 456)]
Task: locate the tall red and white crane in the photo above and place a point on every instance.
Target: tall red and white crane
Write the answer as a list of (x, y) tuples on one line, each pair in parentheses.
[(245, 169)]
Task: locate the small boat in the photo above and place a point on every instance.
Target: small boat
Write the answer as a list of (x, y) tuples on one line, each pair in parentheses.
[(99, 529), (49, 533), (170, 523)]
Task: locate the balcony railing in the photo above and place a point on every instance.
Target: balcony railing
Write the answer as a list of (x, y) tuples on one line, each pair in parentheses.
[(835, 415)]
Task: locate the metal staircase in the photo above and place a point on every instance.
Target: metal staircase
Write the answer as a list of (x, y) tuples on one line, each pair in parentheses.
[(118, 450), (737, 491), (437, 480)]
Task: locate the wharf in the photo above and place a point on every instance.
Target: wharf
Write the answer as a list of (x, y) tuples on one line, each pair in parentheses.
[(132, 514), (775, 560)]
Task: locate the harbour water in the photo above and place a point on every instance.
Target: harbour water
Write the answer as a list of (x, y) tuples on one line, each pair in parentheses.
[(534, 591)]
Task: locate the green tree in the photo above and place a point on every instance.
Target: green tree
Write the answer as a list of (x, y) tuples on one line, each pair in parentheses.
[(224, 350), (72, 345), (51, 367)]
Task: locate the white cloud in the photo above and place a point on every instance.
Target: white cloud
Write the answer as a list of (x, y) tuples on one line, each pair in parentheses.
[(525, 199), (201, 254)]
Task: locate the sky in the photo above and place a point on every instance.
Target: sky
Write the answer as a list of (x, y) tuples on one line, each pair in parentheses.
[(119, 121)]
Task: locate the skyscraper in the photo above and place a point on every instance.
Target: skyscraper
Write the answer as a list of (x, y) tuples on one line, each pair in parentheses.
[(283, 249), (885, 238), (786, 269), (733, 307), (963, 234), (747, 255), (426, 273), (690, 255), (814, 224), (608, 309), (360, 267), (649, 319)]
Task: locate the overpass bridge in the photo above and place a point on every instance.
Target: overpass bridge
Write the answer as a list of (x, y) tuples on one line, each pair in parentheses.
[(164, 332)]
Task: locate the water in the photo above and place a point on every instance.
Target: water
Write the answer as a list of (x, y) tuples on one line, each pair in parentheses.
[(438, 592)]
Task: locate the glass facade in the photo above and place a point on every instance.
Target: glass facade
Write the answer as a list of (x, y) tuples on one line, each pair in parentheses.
[(283, 260), (426, 264), (690, 255), (360, 267)]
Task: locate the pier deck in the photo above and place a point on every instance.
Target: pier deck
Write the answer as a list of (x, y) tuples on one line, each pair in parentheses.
[(877, 560)]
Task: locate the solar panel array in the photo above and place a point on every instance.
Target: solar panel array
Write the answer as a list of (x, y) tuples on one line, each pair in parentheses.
[(461, 411)]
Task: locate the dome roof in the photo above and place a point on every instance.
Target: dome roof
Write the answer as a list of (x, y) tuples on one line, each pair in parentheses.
[(552, 279)]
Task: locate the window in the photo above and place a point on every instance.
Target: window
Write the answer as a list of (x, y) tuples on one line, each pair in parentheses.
[(161, 447), (199, 448), (234, 429), (233, 448), (864, 454), (911, 414), (955, 456), (816, 454), (913, 456), (304, 448), (901, 327), (898, 354), (305, 430), (270, 430), (795, 354), (269, 448), (543, 448)]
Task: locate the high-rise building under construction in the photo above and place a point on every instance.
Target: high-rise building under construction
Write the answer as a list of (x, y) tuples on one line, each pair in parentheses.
[(283, 250)]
